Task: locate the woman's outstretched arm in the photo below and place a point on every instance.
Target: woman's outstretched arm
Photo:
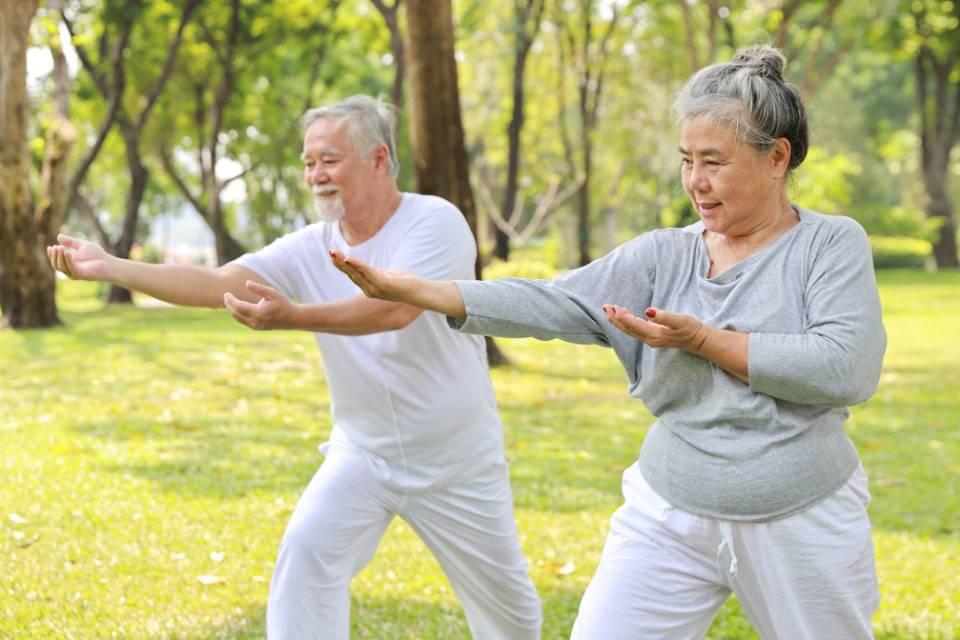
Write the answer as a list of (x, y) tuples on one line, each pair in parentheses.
[(399, 286)]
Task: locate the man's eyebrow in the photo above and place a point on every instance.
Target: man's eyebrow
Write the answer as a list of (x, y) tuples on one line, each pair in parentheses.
[(323, 152)]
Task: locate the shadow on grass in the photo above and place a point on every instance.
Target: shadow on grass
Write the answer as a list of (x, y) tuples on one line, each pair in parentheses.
[(407, 619), (209, 460)]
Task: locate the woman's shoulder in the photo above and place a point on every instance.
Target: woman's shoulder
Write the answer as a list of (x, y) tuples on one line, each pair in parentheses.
[(830, 226), (672, 239)]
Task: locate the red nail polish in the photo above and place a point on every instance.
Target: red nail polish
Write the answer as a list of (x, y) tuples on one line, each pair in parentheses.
[(651, 313)]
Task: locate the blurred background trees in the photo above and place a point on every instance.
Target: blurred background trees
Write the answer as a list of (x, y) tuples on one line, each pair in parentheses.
[(167, 129)]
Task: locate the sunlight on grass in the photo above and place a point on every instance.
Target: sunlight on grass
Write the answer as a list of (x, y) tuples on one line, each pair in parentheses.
[(151, 458)]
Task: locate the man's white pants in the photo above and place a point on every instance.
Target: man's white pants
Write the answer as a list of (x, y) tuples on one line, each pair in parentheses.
[(665, 572), (340, 519)]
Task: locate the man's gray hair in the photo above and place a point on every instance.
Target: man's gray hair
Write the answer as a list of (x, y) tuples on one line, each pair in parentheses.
[(370, 123), (749, 94)]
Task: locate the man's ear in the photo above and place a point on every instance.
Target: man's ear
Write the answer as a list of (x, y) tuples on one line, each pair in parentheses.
[(381, 158)]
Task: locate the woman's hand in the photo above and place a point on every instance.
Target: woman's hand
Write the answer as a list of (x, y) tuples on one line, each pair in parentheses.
[(727, 349), (400, 286), (660, 328), (376, 283)]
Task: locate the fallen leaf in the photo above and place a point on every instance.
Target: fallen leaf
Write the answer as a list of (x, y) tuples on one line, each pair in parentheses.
[(217, 556), (17, 519), (206, 579), (567, 569), (29, 542)]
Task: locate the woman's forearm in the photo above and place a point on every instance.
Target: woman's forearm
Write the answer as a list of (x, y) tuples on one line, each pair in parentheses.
[(729, 350), (434, 295)]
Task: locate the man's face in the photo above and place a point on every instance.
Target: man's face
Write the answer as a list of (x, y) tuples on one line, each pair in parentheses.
[(333, 170)]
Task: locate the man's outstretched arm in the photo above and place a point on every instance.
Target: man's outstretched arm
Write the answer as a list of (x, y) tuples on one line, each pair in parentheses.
[(185, 285)]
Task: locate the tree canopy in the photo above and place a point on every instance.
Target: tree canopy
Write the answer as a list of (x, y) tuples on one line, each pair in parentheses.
[(191, 105)]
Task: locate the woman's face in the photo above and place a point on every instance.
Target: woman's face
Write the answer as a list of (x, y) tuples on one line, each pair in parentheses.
[(732, 188)]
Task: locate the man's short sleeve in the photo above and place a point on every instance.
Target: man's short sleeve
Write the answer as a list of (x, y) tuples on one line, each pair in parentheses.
[(437, 245), (277, 263)]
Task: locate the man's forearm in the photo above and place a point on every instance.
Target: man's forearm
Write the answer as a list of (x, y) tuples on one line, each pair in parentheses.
[(357, 316), (185, 285)]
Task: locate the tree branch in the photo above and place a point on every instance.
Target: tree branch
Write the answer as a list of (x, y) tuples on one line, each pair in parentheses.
[(689, 30), (87, 212), (167, 163), (188, 9)]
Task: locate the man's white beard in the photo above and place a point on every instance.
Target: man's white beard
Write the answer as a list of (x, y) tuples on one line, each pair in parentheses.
[(328, 209)]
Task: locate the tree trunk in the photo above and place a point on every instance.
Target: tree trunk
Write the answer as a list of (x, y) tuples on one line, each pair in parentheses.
[(502, 247), (436, 127), (583, 204), (138, 186), (27, 284), (391, 16), (228, 248), (55, 187), (939, 131), (939, 207)]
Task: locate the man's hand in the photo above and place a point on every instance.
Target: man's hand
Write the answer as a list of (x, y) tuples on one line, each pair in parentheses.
[(663, 329), (273, 311), (79, 259)]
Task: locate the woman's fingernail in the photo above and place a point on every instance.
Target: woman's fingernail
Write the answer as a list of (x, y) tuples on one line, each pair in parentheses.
[(651, 313)]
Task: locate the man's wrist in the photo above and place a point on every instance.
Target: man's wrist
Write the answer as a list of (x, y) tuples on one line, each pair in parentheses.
[(292, 317)]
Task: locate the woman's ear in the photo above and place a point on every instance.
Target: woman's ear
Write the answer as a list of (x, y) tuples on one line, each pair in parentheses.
[(780, 157)]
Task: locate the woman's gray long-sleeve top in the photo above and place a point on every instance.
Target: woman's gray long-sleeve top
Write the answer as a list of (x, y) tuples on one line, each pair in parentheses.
[(720, 447)]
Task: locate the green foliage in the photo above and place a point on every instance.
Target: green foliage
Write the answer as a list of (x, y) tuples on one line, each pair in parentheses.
[(857, 83), (534, 269), (900, 252), (151, 458), (823, 181)]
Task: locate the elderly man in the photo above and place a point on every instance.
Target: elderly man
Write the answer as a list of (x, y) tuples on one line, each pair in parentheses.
[(415, 425)]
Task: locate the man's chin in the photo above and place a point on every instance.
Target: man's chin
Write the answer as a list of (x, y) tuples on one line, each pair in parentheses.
[(324, 211)]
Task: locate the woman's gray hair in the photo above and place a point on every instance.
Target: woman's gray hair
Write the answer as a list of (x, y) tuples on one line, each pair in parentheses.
[(749, 94), (370, 123)]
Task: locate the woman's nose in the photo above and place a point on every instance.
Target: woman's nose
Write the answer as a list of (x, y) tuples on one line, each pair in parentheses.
[(698, 179)]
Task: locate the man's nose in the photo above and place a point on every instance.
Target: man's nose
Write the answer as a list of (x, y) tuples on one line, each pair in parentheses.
[(317, 175)]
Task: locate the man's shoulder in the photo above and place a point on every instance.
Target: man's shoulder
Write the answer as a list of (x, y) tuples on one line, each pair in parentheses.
[(433, 215), (424, 204)]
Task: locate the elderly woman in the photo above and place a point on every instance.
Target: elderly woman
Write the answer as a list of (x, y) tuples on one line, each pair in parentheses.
[(758, 326)]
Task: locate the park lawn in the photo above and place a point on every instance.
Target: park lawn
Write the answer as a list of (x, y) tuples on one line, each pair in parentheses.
[(150, 458)]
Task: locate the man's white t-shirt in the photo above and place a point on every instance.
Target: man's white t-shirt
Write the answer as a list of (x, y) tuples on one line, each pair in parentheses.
[(420, 398)]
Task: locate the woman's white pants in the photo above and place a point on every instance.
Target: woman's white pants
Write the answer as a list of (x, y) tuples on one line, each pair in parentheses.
[(665, 572)]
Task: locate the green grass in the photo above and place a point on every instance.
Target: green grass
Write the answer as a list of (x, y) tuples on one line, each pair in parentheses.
[(141, 449)]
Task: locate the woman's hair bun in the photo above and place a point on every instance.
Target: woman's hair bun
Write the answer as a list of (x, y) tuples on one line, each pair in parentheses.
[(767, 61)]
